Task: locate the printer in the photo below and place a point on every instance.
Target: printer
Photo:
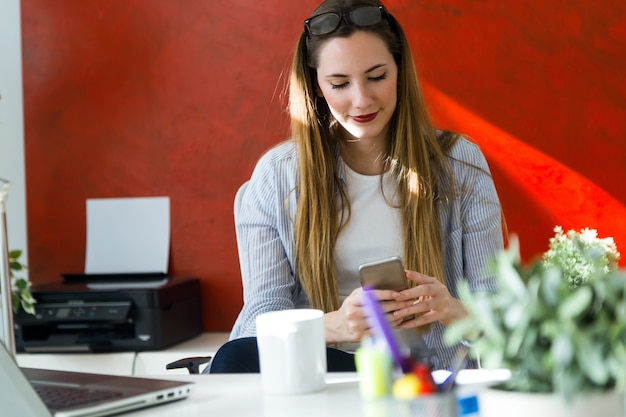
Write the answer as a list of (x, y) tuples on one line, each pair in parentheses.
[(84, 317)]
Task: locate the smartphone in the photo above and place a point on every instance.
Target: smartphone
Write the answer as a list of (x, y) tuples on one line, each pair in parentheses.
[(384, 274)]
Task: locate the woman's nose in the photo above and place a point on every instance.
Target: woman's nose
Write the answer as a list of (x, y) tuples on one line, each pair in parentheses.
[(362, 97)]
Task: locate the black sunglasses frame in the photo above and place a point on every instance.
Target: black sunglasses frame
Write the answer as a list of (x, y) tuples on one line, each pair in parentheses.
[(345, 16)]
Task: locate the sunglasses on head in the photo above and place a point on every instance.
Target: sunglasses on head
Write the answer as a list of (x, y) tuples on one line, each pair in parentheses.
[(360, 16)]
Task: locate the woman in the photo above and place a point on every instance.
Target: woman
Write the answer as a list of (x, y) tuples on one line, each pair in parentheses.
[(365, 176)]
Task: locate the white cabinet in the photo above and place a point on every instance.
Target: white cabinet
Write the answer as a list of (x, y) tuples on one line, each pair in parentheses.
[(127, 363), (153, 363)]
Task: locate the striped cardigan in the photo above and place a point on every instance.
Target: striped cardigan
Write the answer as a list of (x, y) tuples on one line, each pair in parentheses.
[(470, 226)]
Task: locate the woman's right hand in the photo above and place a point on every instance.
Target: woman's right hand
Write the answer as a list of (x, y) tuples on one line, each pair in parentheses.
[(349, 323)]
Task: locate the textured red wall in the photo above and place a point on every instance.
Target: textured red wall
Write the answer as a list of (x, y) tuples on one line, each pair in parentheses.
[(181, 97)]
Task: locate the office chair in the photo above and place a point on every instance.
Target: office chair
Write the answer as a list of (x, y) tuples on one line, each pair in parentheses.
[(236, 209), (193, 364)]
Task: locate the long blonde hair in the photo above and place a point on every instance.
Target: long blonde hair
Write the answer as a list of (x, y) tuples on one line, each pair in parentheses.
[(416, 157)]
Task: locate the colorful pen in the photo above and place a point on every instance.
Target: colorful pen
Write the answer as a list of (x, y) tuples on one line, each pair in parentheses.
[(381, 329)]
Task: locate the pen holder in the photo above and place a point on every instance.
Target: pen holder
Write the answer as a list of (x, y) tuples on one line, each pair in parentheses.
[(433, 405)]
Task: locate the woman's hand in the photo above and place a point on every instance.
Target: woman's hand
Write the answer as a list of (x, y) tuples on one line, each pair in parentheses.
[(349, 323), (430, 302)]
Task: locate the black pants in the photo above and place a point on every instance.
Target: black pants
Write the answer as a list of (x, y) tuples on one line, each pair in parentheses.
[(242, 356)]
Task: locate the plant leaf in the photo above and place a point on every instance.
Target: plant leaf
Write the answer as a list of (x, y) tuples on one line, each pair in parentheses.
[(576, 304)]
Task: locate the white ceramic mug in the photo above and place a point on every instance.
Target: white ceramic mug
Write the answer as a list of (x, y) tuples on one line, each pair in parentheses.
[(292, 351)]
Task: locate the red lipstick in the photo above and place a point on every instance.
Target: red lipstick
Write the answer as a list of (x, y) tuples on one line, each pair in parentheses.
[(365, 118)]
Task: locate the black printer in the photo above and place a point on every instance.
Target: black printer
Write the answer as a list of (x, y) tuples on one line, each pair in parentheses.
[(84, 317)]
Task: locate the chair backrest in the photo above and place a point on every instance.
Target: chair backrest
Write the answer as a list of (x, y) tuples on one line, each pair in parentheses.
[(236, 209), (238, 197)]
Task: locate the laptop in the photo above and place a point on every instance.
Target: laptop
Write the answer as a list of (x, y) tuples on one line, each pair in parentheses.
[(33, 392)]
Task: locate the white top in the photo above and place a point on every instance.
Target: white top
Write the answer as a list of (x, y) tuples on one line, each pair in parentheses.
[(364, 240)]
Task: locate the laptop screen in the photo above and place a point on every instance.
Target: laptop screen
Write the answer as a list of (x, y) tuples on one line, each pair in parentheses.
[(17, 397)]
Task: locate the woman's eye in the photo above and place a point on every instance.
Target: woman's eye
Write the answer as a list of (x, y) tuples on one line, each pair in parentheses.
[(379, 78), (339, 86), (345, 84)]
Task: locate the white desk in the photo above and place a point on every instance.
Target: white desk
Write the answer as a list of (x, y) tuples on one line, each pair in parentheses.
[(241, 396), (127, 363)]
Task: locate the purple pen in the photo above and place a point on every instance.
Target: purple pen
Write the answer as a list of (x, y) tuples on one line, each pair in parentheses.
[(381, 329)]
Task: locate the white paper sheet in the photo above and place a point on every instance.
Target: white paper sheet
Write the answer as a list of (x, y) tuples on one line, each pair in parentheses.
[(127, 235)]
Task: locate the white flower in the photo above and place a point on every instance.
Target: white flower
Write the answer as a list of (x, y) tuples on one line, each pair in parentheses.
[(581, 255)]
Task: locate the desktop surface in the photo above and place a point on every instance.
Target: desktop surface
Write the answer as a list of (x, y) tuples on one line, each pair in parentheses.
[(239, 395)]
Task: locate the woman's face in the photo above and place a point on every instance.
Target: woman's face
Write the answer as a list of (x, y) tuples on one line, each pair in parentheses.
[(358, 77)]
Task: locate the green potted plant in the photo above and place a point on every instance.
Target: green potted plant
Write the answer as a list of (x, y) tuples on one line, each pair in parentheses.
[(21, 287), (559, 326)]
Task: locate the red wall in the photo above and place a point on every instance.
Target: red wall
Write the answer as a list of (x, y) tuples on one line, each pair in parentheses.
[(180, 98)]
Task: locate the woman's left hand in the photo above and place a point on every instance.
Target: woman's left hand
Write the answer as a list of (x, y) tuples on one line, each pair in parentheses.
[(433, 302)]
